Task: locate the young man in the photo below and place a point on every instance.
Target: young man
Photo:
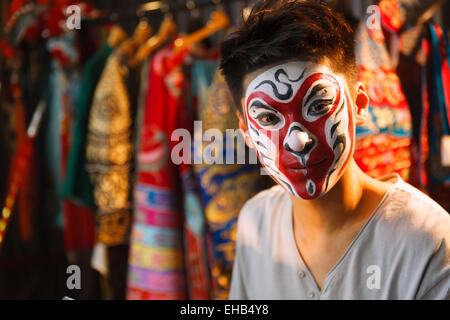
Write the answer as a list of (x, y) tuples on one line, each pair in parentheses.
[(327, 230)]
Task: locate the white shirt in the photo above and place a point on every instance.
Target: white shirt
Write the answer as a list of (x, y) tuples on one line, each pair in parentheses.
[(401, 252)]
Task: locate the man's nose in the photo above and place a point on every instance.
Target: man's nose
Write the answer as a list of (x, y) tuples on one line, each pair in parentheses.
[(297, 141)]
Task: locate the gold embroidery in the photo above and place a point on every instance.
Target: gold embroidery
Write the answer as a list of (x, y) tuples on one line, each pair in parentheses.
[(111, 189), (109, 153), (114, 226)]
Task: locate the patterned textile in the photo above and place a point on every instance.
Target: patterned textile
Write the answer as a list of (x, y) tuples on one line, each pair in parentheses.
[(109, 153), (179, 219), (383, 144), (195, 253), (77, 186), (156, 264), (78, 222), (225, 187)]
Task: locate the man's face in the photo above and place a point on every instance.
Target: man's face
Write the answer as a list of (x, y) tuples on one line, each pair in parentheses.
[(300, 120)]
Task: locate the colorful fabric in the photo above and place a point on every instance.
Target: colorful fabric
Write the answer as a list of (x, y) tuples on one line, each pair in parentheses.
[(439, 95), (224, 187), (423, 140), (109, 153), (77, 186), (52, 134), (78, 222), (156, 263), (140, 110), (24, 21), (169, 217), (195, 239), (195, 254), (26, 193), (383, 143)]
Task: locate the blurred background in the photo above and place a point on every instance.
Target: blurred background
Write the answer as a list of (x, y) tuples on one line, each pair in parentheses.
[(90, 94)]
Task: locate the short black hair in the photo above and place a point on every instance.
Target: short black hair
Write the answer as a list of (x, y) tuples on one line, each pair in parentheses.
[(281, 30)]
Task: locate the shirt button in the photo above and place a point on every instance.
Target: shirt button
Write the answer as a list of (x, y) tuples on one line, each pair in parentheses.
[(301, 274), (311, 294)]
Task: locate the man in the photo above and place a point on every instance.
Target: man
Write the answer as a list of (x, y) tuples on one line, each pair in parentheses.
[(327, 230)]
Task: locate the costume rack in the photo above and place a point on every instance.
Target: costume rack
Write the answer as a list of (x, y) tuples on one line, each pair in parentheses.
[(150, 9)]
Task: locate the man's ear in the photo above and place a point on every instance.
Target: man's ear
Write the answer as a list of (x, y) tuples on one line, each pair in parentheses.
[(362, 104), (244, 130)]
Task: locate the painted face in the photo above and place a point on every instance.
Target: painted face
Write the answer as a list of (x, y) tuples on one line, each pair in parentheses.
[(301, 123)]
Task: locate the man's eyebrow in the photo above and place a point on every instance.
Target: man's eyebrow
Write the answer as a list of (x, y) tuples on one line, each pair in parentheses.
[(259, 104), (314, 91)]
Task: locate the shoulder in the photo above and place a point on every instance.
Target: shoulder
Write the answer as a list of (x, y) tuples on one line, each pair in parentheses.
[(412, 218), (259, 212), (262, 204), (418, 232)]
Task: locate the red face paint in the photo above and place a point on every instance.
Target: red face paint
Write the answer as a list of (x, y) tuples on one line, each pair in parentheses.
[(301, 125)]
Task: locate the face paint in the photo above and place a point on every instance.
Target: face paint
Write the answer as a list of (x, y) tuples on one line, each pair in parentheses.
[(301, 123)]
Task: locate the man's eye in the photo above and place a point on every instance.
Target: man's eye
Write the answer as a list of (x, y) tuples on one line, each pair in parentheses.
[(267, 119), (320, 107)]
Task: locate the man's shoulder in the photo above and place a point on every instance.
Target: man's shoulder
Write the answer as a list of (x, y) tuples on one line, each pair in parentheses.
[(262, 204), (413, 234), (410, 216), (259, 213)]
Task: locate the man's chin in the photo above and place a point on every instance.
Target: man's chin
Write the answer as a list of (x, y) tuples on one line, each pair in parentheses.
[(300, 187), (305, 195)]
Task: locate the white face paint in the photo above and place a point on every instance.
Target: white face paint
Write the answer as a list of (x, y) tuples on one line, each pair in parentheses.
[(300, 121)]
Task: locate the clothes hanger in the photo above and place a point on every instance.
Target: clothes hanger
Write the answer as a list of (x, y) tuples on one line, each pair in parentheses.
[(430, 11), (142, 32), (219, 20), (116, 35), (418, 15), (167, 30)]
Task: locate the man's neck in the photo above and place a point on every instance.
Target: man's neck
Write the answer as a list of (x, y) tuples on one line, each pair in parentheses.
[(345, 204)]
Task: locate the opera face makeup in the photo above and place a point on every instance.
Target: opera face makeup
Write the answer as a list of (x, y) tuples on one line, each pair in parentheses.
[(300, 120)]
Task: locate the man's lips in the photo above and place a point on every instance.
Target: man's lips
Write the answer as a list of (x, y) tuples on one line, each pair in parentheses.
[(297, 166)]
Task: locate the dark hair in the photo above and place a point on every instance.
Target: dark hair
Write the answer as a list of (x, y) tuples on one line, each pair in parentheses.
[(280, 30)]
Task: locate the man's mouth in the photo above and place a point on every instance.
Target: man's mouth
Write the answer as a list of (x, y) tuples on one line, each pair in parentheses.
[(299, 167)]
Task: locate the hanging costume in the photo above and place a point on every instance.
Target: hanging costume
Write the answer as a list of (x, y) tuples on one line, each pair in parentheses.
[(225, 187), (383, 143), (34, 247), (109, 158), (424, 74), (438, 77), (77, 186), (156, 268), (167, 257), (108, 153)]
